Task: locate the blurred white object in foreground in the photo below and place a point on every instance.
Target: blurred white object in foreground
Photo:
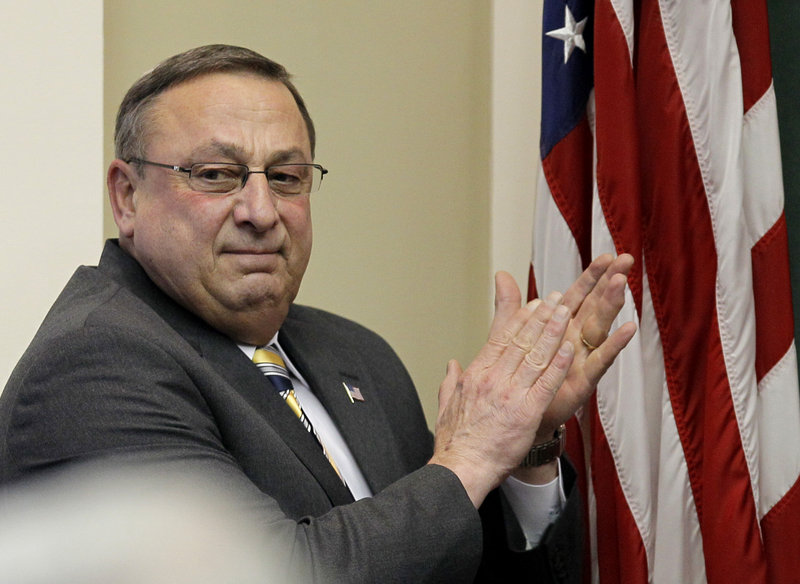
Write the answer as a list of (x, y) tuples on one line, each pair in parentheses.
[(105, 524)]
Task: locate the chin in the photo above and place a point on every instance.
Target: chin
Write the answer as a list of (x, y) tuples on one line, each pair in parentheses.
[(260, 296)]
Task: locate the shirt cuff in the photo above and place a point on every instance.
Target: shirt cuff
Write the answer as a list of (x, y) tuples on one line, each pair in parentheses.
[(535, 506)]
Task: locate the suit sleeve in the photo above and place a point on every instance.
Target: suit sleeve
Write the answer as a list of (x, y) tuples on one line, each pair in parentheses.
[(557, 558), (101, 393)]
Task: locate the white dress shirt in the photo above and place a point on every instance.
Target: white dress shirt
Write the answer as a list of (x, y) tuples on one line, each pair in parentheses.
[(323, 424)]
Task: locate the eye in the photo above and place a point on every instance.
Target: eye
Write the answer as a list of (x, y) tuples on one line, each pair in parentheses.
[(284, 177), (216, 177), (289, 179)]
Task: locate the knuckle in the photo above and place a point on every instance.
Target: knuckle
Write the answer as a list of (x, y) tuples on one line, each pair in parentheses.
[(526, 339), (502, 338), (540, 322), (536, 359), (546, 386), (550, 380), (553, 329), (523, 344), (553, 376)]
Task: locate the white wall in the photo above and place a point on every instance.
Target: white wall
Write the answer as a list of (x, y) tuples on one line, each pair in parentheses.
[(50, 158), (516, 99)]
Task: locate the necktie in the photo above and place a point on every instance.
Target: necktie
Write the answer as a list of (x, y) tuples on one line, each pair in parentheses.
[(271, 364)]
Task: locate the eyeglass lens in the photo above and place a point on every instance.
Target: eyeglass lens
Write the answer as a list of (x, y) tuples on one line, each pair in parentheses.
[(283, 179)]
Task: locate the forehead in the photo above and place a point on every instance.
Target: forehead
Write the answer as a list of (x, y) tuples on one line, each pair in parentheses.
[(244, 110)]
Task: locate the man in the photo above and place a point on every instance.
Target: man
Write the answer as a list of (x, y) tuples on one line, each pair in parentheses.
[(148, 357)]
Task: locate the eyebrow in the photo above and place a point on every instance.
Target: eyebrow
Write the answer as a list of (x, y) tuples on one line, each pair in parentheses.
[(235, 152), (217, 148)]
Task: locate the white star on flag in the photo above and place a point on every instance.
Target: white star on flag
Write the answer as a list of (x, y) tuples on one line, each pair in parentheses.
[(571, 33)]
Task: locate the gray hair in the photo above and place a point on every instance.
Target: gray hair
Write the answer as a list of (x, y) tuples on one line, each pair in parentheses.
[(130, 133)]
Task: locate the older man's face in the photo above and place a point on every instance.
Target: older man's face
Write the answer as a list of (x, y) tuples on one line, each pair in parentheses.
[(235, 260)]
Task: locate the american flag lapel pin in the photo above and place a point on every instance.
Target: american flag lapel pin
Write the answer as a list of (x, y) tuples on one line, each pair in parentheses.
[(353, 393)]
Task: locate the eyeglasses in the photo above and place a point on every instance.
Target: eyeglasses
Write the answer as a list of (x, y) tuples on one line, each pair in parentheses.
[(223, 178)]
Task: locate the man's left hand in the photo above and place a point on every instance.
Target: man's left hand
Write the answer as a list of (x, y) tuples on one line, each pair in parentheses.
[(594, 301)]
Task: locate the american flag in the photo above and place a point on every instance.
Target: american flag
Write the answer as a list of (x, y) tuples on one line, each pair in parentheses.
[(660, 139)]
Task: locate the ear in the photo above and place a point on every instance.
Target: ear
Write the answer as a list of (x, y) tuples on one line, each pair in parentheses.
[(122, 180)]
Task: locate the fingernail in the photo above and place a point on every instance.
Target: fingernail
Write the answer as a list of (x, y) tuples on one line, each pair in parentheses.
[(554, 298), (560, 313), (531, 306), (566, 349)]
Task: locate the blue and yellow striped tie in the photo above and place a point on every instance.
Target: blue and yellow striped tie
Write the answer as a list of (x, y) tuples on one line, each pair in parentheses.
[(271, 364)]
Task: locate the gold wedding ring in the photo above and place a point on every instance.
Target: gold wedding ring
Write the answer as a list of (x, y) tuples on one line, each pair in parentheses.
[(586, 343)]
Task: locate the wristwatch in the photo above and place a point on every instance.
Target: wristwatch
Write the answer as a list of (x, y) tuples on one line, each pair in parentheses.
[(545, 452)]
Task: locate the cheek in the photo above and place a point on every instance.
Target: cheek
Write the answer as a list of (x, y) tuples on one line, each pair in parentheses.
[(195, 220), (299, 226), (177, 231)]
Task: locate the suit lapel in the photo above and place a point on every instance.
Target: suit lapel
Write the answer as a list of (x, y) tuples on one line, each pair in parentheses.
[(257, 389), (233, 365), (326, 366)]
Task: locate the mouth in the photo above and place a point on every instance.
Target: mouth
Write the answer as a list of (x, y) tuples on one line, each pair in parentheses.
[(253, 251), (255, 259), (250, 252)]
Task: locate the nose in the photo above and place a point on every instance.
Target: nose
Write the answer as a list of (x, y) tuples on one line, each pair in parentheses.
[(256, 205)]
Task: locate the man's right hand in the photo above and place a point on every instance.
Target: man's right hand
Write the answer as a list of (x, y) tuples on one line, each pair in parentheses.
[(490, 412)]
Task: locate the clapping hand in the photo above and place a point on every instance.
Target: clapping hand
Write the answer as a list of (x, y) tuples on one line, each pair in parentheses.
[(541, 363), (594, 301)]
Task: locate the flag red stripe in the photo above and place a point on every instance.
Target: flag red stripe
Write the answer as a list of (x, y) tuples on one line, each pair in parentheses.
[(729, 520), (617, 144), (782, 538), (678, 222), (571, 184), (773, 298), (750, 26), (621, 556), (532, 291)]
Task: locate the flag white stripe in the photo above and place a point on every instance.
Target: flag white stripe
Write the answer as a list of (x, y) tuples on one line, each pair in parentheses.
[(763, 178), (779, 431), (557, 271), (678, 554), (623, 9)]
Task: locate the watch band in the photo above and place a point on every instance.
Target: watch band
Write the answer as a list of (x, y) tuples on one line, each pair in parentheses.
[(545, 452)]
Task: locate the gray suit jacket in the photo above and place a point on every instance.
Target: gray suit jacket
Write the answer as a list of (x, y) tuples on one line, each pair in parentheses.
[(119, 370)]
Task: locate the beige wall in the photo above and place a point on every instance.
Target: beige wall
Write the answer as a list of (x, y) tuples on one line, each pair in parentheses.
[(400, 94), (50, 158)]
